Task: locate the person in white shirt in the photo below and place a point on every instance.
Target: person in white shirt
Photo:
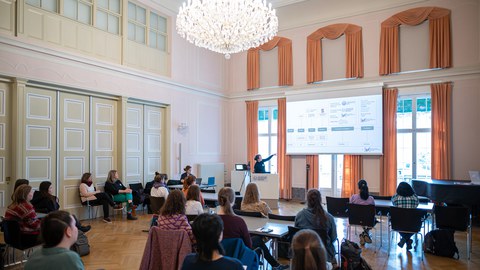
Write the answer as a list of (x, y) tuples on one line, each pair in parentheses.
[(193, 205), (159, 189)]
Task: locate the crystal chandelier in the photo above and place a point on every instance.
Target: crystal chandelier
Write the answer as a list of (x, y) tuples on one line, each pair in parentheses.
[(227, 26)]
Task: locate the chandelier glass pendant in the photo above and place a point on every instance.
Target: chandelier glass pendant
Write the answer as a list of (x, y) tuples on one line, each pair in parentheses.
[(227, 26)]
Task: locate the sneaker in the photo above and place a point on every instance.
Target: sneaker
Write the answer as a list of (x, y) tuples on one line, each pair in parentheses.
[(362, 239), (367, 237), (85, 228), (401, 243), (281, 267), (130, 217), (409, 244), (107, 220)]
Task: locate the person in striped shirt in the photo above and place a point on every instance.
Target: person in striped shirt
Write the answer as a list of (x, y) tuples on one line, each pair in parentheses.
[(405, 198)]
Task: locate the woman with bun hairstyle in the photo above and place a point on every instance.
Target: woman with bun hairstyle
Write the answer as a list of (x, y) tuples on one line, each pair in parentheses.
[(363, 198)]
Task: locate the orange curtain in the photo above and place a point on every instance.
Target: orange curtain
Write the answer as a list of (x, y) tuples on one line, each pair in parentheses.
[(312, 161), (352, 173), (283, 160), (441, 130), (388, 162), (440, 38), (354, 50), (252, 131), (285, 62)]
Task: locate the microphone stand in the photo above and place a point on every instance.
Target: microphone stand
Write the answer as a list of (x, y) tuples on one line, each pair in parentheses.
[(306, 187)]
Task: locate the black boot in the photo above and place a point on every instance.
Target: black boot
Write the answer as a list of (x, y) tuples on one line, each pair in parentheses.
[(130, 217)]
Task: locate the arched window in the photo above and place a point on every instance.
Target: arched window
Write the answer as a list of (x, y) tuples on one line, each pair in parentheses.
[(285, 73), (354, 50), (440, 38)]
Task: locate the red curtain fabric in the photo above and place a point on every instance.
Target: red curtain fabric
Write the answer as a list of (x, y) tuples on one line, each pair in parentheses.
[(388, 162), (354, 50), (285, 62), (312, 162), (439, 35), (441, 130), (352, 173), (252, 131), (283, 160)]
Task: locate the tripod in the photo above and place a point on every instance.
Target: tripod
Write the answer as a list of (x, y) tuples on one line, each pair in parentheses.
[(306, 186)]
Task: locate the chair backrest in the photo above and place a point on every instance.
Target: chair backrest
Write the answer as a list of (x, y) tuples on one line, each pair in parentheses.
[(246, 213), (238, 202), (191, 218), (172, 182), (236, 248), (156, 204), (363, 215), (11, 233), (211, 180), (136, 186), (452, 217), (406, 219), (280, 217), (337, 207)]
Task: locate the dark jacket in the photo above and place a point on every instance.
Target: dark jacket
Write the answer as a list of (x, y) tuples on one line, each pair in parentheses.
[(260, 165), (43, 204), (113, 188)]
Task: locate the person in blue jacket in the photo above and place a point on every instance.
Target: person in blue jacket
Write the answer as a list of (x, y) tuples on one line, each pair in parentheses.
[(260, 163)]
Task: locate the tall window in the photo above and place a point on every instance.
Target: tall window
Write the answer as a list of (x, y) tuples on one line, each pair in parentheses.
[(50, 5), (267, 135), (137, 23), (157, 35), (108, 15), (414, 119), (78, 10), (330, 174)]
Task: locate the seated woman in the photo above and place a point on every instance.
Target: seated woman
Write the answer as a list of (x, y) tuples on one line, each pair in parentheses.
[(314, 217), (235, 226), (308, 252), (96, 197), (190, 180), (251, 201), (363, 198), (159, 188), (45, 202), (405, 198), (208, 232), (172, 215), (22, 211), (146, 192), (193, 205), (120, 193)]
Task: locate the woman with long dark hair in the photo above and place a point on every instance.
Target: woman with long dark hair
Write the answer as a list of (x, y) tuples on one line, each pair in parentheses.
[(308, 252), (95, 197), (405, 198), (208, 232), (314, 217), (363, 198)]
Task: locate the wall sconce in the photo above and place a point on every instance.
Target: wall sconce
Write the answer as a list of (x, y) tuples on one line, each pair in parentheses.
[(182, 127)]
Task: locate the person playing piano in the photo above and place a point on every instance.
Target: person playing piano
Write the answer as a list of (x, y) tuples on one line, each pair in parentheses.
[(260, 163)]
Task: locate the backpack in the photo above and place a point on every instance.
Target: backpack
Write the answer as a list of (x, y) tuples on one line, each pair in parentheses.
[(81, 246), (441, 243), (351, 258)]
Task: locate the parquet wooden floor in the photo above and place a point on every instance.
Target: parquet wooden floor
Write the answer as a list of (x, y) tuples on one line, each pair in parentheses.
[(120, 245)]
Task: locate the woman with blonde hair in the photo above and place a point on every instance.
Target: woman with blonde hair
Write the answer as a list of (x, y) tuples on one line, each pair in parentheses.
[(190, 180), (251, 201), (308, 252), (120, 193)]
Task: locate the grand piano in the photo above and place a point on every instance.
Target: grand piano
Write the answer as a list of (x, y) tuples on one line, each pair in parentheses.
[(448, 191)]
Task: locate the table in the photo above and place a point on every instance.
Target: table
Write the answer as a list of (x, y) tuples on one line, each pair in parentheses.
[(202, 186), (210, 196), (279, 229), (384, 206)]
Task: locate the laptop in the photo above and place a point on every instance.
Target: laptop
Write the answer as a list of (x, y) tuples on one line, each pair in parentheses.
[(240, 167), (198, 181), (475, 177)]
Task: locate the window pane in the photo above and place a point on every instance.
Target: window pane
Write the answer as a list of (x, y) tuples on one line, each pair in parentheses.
[(84, 13), (273, 150), (424, 113), (263, 145), (424, 142), (162, 42), (101, 20), (162, 24), (141, 15), (131, 11), (404, 114), (115, 6), (70, 9), (139, 34), (153, 21), (102, 4), (50, 5), (131, 31), (324, 171), (404, 157), (34, 2), (152, 39), (274, 121), (339, 172), (113, 25), (263, 121)]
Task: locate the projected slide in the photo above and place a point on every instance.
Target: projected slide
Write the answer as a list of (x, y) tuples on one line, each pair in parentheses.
[(350, 125)]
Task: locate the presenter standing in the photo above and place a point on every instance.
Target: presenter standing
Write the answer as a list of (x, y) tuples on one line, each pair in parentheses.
[(187, 173), (260, 163)]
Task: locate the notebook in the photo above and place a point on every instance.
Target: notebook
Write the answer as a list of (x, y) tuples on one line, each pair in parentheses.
[(475, 177)]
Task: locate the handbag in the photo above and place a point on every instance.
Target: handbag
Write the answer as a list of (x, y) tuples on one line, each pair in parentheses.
[(81, 246)]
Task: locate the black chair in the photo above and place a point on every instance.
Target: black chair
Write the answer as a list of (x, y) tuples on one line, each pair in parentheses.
[(406, 220), (455, 218), (14, 240), (364, 216), (156, 204), (247, 214), (280, 217), (137, 194), (337, 207), (238, 202), (191, 218)]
